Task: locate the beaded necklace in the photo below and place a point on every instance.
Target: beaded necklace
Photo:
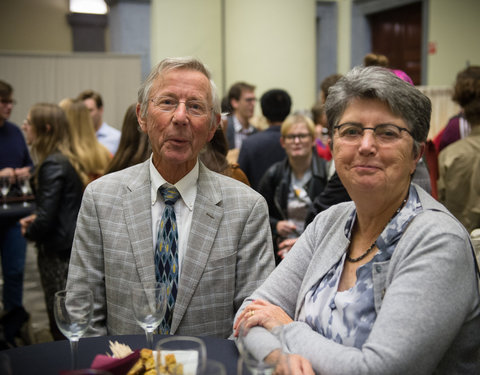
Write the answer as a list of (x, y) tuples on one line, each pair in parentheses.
[(369, 250)]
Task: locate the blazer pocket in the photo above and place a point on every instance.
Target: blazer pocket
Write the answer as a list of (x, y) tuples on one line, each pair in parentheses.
[(224, 262)]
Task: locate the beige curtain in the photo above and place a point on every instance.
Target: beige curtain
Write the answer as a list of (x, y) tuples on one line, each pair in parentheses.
[(442, 107)]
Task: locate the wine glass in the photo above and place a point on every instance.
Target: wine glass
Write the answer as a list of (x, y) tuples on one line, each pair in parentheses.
[(24, 182), (149, 306), (189, 352), (73, 311), (5, 188)]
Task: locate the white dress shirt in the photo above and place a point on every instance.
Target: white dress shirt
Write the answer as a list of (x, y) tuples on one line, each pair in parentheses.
[(187, 187)]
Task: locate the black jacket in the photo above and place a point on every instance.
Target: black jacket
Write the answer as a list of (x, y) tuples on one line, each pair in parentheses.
[(275, 185), (58, 195)]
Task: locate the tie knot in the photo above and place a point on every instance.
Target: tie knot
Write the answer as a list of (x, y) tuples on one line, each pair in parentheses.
[(169, 194)]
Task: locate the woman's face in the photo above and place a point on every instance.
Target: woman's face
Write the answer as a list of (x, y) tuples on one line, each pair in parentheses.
[(298, 141), (369, 165), (29, 131)]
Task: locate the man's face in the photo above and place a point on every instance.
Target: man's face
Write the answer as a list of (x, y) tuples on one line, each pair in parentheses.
[(245, 106), (6, 106), (95, 112), (176, 135)]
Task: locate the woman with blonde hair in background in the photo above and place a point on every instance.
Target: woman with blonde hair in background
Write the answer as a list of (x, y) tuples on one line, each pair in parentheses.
[(93, 156), (58, 183)]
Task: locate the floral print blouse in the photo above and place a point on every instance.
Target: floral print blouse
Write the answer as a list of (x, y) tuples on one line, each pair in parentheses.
[(347, 317)]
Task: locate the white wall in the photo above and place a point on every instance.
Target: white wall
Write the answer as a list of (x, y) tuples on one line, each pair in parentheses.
[(53, 77), (268, 43)]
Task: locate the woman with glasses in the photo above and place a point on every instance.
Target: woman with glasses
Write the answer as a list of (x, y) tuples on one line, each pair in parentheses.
[(387, 283), (59, 181), (291, 185)]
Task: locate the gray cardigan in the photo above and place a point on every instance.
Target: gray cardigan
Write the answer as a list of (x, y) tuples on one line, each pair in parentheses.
[(426, 297)]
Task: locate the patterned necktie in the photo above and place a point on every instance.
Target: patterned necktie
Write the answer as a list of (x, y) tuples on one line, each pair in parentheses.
[(166, 257)]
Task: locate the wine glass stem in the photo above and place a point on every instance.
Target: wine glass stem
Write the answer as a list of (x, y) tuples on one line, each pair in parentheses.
[(74, 353), (149, 335)]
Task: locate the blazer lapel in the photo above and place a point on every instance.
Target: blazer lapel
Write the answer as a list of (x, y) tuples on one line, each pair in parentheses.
[(138, 219), (207, 215)]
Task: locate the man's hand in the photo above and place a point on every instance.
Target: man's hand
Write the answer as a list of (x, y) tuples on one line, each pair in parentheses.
[(8, 172), (285, 246), (22, 172), (285, 228), (25, 223)]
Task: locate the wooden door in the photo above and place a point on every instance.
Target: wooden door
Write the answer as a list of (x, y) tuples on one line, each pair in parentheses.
[(397, 34)]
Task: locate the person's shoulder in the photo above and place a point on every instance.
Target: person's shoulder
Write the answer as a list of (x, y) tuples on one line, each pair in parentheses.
[(435, 218), (122, 178), (111, 130), (227, 186)]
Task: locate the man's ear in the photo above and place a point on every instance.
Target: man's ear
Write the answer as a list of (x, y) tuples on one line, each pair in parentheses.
[(48, 128), (142, 121), (234, 103), (214, 127)]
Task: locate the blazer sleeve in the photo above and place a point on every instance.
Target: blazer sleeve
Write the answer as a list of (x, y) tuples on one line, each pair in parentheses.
[(86, 268), (255, 255)]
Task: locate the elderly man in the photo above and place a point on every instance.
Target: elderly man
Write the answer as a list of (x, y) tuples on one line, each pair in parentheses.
[(220, 237)]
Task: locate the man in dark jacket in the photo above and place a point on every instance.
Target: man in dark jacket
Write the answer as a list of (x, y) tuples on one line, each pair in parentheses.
[(261, 150)]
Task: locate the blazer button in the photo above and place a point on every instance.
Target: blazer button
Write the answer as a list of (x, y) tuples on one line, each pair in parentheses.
[(378, 269)]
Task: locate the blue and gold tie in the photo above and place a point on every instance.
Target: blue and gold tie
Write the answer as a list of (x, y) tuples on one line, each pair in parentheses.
[(166, 256)]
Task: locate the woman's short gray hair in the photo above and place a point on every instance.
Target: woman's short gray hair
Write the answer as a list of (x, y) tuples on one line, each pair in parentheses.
[(171, 63), (378, 83)]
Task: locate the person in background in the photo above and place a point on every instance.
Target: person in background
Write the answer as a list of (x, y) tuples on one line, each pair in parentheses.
[(290, 186), (459, 163), (387, 283), (220, 246), (92, 155), (326, 84), (106, 134), (134, 147), (241, 97), (321, 132), (263, 149), (457, 127), (58, 183), (15, 163), (214, 156), (376, 59)]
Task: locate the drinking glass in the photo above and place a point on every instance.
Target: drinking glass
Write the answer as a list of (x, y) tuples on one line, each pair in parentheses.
[(73, 311), (213, 367), (149, 306), (248, 364), (190, 353), (5, 188), (24, 182)]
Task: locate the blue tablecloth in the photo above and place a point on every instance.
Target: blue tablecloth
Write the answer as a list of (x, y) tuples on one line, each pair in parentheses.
[(52, 357)]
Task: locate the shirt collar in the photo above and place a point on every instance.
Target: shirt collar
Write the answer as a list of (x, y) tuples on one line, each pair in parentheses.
[(239, 128), (187, 186)]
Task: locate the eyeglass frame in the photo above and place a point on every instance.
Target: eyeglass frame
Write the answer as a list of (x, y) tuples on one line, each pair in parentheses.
[(292, 137), (185, 102), (338, 127)]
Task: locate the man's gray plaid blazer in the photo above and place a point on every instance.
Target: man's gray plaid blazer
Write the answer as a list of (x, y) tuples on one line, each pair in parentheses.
[(229, 251)]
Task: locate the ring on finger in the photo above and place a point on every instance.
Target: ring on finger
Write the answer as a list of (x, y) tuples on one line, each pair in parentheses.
[(252, 312)]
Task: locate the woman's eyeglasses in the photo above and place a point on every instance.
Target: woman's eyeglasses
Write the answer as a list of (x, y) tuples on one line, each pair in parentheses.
[(385, 133)]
